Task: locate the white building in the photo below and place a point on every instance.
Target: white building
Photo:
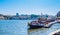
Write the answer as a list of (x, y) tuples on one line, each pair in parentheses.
[(1, 17)]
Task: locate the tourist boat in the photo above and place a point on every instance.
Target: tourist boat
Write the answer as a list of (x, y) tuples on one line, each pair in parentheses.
[(35, 24), (41, 23)]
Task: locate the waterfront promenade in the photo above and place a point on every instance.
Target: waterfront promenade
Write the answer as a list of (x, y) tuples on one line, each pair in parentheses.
[(50, 24)]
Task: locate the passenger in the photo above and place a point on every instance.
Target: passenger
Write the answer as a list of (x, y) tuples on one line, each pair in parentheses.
[(39, 20), (34, 22)]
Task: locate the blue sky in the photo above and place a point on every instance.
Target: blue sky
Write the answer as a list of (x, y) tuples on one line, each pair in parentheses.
[(10, 7)]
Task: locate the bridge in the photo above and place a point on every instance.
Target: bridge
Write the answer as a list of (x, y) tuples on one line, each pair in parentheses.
[(51, 23)]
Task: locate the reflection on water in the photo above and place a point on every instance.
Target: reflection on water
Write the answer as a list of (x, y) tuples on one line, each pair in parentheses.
[(41, 31), (13, 27), (44, 31)]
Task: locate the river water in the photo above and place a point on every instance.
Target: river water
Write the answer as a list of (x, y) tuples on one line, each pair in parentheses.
[(20, 27)]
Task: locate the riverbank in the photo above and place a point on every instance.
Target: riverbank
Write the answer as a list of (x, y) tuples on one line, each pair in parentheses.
[(57, 32), (44, 31)]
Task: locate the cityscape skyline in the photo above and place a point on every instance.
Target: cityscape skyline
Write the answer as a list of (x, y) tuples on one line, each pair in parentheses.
[(10, 7)]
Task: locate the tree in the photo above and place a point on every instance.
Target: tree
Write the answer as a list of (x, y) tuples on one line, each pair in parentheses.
[(17, 14), (58, 14)]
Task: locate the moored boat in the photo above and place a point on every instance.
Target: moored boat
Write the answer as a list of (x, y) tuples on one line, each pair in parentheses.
[(35, 24), (41, 23)]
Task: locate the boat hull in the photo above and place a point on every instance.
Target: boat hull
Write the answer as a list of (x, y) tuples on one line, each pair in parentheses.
[(35, 26)]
